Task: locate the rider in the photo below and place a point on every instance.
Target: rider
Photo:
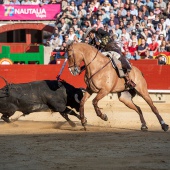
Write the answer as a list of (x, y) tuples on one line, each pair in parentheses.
[(102, 41)]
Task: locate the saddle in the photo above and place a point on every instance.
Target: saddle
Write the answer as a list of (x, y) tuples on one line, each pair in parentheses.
[(123, 70)]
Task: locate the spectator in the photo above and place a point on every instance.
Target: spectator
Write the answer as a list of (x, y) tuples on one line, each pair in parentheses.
[(27, 2), (80, 8), (168, 46), (122, 10), (156, 21), (129, 27), (127, 7), (14, 2), (149, 4), (64, 5), (160, 29), (126, 34), (111, 26), (98, 24), (75, 25), (37, 2), (163, 47), (157, 9), (152, 48), (124, 42), (151, 15), (114, 18), (133, 10), (162, 5), (121, 25), (55, 42), (160, 39), (71, 35), (106, 6), (115, 7), (133, 39), (167, 10), (7, 2), (145, 10), (124, 18), (73, 7), (96, 4), (80, 35), (105, 16), (133, 50), (118, 31), (129, 16), (140, 16), (62, 26), (142, 49)]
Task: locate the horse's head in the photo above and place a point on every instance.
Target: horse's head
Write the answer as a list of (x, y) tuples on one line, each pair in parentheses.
[(74, 58)]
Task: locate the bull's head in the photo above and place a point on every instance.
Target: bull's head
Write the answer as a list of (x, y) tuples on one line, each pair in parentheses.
[(80, 96), (77, 98)]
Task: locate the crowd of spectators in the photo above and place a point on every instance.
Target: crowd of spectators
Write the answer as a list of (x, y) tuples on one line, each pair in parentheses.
[(140, 27)]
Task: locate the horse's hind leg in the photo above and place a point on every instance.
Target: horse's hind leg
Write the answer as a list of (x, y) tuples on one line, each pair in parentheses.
[(126, 98), (102, 93), (145, 95)]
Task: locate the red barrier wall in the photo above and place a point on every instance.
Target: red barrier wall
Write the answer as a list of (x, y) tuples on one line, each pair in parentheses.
[(157, 76)]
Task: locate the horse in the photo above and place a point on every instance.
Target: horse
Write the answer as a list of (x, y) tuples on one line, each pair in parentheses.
[(101, 78)]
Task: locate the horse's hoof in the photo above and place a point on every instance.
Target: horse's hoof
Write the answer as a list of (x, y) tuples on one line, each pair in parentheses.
[(104, 117), (165, 127), (84, 122), (72, 124), (144, 128)]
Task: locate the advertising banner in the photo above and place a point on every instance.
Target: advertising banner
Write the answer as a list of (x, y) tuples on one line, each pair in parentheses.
[(29, 12)]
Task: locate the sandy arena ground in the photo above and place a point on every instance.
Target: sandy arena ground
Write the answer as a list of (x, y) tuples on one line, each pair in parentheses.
[(50, 143)]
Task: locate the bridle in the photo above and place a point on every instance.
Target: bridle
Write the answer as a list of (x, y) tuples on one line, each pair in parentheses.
[(84, 68), (74, 64)]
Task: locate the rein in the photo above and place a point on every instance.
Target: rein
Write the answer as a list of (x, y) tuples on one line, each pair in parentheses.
[(84, 67), (98, 70)]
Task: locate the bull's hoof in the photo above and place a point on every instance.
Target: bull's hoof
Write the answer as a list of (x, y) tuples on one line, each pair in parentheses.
[(104, 117), (78, 116), (72, 124), (144, 128), (165, 127), (6, 119)]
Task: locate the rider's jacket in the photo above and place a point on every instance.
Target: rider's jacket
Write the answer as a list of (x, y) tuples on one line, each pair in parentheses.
[(102, 37)]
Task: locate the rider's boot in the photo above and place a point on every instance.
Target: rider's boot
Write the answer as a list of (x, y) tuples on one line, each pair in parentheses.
[(129, 83)]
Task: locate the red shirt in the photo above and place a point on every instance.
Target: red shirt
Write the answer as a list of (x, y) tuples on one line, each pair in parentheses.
[(153, 46), (133, 49)]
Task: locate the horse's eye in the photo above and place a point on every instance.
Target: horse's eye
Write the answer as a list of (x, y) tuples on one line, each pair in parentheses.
[(69, 56)]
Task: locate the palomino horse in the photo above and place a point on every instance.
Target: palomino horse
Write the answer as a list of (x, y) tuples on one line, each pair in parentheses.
[(101, 78)]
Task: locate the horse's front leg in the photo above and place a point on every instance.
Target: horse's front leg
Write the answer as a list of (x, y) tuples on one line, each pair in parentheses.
[(81, 110), (102, 93)]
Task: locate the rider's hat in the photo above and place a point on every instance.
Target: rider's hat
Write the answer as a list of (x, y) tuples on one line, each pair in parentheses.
[(90, 29)]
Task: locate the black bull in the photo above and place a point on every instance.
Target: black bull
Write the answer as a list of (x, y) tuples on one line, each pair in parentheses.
[(40, 96)]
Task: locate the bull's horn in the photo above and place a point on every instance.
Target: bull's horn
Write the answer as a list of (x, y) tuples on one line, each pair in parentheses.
[(4, 80), (76, 98), (83, 89)]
